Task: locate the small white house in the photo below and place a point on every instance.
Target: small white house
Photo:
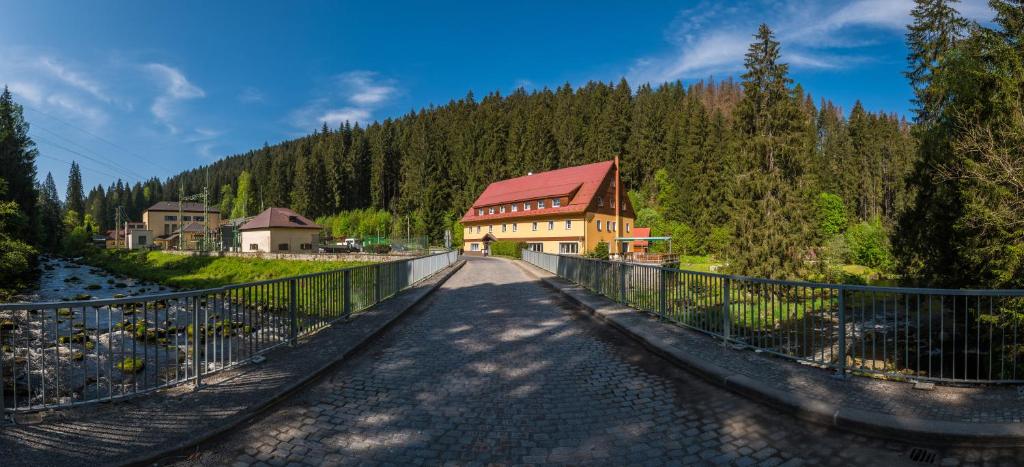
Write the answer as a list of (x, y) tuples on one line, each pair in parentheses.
[(138, 239), (279, 230)]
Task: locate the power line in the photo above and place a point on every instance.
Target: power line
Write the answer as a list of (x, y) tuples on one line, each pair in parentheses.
[(83, 167), (110, 165), (94, 135), (72, 151)]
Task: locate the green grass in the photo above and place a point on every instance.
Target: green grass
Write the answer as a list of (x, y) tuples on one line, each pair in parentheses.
[(697, 263), (197, 272)]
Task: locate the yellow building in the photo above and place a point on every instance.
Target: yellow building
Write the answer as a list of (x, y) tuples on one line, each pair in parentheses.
[(163, 220), (567, 211)]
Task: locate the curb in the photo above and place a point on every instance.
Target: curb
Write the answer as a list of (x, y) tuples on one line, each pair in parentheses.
[(914, 430), (289, 390)]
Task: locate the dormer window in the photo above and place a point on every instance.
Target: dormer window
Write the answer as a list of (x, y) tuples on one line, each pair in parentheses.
[(480, 212), (515, 207), (502, 209), (556, 203), (600, 202), (540, 204), (526, 206), (490, 210)]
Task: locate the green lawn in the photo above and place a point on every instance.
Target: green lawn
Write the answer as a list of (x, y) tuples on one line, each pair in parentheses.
[(196, 272), (697, 263)]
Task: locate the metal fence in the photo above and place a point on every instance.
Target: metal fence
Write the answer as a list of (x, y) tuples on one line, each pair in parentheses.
[(60, 354), (949, 335)]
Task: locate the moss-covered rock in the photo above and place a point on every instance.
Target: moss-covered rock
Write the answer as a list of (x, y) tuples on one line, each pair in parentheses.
[(65, 312), (119, 295), (78, 338), (83, 296), (77, 356), (93, 287), (7, 325), (130, 365)]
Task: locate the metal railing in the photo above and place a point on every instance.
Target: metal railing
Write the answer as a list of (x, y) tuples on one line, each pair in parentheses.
[(947, 335), (61, 354)]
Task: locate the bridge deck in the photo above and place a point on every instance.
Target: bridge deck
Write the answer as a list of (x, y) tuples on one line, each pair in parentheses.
[(495, 369)]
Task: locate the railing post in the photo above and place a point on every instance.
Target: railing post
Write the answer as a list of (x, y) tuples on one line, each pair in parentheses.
[(293, 312), (622, 283), (196, 334), (726, 322), (841, 364), (376, 284), (662, 296), (347, 287)]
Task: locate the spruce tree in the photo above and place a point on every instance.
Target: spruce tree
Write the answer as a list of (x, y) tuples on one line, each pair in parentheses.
[(74, 199), (49, 206), (936, 28), (17, 164), (769, 209)]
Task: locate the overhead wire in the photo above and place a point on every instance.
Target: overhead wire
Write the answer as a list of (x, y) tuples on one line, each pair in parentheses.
[(134, 177), (109, 164)]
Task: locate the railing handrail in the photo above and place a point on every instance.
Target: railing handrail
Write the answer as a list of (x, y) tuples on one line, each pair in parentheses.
[(186, 293), (814, 284)]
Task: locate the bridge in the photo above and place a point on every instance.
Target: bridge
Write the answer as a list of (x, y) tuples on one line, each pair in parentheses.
[(501, 364)]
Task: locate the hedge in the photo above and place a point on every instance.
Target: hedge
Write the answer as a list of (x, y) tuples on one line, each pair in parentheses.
[(508, 248)]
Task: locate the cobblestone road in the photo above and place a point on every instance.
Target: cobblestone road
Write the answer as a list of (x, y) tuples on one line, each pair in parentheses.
[(494, 368)]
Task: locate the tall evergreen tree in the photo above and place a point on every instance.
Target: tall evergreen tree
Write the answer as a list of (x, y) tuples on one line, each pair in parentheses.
[(936, 28), (770, 205), (74, 199), (50, 218), (17, 164)]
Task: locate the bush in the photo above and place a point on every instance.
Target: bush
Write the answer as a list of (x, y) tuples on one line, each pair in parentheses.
[(600, 251), (868, 243), (831, 215), (508, 248)]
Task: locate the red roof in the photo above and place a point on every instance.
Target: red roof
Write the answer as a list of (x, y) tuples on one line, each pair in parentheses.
[(279, 217), (579, 183), (641, 232)]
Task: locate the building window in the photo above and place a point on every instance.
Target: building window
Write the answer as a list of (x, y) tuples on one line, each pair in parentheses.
[(627, 227), (551, 225), (504, 227), (515, 227), (526, 206), (600, 202), (568, 225), (186, 218), (142, 239), (198, 218), (540, 204), (306, 246), (490, 229), (480, 212), (478, 229), (515, 207), (534, 226), (490, 210), (253, 247), (469, 230), (282, 246), (474, 247), (170, 218), (611, 226), (556, 203), (598, 226), (502, 209), (568, 248), (535, 247)]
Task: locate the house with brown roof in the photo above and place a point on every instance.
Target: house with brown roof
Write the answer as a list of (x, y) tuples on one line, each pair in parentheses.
[(279, 230), (565, 211), (166, 219)]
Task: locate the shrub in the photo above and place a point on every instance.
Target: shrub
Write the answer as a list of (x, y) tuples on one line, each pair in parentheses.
[(868, 243), (507, 248), (130, 365), (831, 215), (600, 251)]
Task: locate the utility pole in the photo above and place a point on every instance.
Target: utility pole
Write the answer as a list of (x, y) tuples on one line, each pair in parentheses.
[(117, 226)]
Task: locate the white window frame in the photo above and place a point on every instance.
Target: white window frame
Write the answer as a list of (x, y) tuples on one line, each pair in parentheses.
[(568, 248), (515, 226), (551, 225), (490, 229), (474, 247), (540, 204), (480, 211), (478, 229), (627, 227), (254, 246), (515, 207), (534, 226), (556, 203), (598, 226), (526, 206), (490, 210), (568, 224), (501, 209), (504, 227)]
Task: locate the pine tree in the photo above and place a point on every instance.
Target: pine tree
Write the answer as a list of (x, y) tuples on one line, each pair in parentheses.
[(936, 28), (50, 223), (770, 205), (245, 197), (74, 199), (17, 164)]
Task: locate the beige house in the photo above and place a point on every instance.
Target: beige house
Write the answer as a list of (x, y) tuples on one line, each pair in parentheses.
[(279, 230), (565, 211), (165, 218)]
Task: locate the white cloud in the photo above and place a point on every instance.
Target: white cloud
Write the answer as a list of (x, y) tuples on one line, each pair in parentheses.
[(176, 87), (352, 97), (31, 92), (72, 78), (69, 105), (712, 39)]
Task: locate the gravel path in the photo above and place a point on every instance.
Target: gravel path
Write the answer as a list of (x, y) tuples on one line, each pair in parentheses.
[(496, 369)]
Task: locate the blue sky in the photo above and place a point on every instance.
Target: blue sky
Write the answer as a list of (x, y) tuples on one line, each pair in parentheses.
[(140, 89)]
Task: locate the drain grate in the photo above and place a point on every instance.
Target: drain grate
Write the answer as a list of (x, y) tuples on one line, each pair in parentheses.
[(922, 455)]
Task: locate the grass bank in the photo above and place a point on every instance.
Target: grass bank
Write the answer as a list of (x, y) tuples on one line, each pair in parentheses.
[(198, 272)]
